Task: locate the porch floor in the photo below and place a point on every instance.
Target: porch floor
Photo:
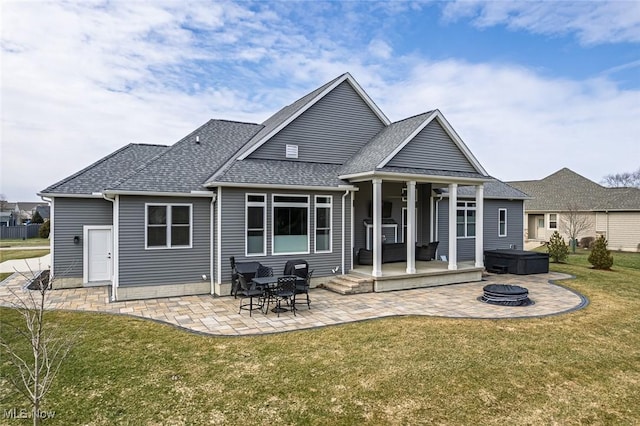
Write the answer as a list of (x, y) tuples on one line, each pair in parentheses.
[(428, 274)]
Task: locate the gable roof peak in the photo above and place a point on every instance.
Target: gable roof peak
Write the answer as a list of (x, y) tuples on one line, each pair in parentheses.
[(286, 115)]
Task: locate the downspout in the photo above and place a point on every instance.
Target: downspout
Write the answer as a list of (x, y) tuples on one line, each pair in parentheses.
[(116, 251), (211, 242), (343, 227), (51, 234)]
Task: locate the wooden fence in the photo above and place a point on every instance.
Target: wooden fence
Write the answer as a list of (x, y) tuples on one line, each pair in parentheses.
[(20, 232)]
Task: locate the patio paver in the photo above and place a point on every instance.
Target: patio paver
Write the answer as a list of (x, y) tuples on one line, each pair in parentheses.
[(219, 315)]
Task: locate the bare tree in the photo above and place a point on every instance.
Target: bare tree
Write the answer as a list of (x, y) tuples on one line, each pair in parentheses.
[(34, 347), (574, 223), (624, 179)]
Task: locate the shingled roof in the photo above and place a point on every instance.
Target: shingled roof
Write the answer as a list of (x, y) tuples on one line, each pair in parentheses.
[(107, 171), (187, 165), (567, 190)]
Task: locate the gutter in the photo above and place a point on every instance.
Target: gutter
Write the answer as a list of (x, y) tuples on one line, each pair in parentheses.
[(116, 245)]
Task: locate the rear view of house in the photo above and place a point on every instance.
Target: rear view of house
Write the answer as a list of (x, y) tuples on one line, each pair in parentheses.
[(327, 178)]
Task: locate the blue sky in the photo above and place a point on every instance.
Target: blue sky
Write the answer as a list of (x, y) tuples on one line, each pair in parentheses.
[(531, 87)]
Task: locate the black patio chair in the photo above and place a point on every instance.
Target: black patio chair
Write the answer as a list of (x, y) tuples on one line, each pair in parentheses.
[(249, 290), (302, 287), (285, 290)]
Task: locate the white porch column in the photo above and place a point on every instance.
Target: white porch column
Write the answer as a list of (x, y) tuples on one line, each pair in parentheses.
[(453, 233), (377, 228), (411, 227), (480, 226)]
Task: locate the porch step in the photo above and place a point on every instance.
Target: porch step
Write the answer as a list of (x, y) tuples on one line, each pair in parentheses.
[(350, 284)]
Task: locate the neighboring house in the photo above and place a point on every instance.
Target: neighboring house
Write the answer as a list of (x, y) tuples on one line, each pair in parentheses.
[(321, 179), (20, 212), (566, 196)]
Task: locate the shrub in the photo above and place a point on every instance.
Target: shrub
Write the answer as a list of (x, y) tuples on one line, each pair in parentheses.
[(45, 229), (586, 242), (600, 256), (558, 249), (37, 218)]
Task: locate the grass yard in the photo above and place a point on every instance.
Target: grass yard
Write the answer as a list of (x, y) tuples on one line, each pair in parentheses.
[(578, 368), (21, 254), (29, 242), (4, 275)]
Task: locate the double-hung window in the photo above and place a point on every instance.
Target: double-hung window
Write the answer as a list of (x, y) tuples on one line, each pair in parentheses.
[(502, 222), (290, 224), (256, 221), (553, 221), (466, 219), (168, 225), (323, 223)]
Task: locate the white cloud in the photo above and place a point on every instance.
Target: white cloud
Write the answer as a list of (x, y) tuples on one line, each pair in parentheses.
[(88, 78), (593, 22)]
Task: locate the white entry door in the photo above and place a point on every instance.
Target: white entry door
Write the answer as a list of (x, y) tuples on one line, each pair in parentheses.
[(98, 254)]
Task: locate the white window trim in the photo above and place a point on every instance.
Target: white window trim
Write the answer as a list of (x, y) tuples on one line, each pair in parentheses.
[(328, 205), (505, 222), (548, 219), (275, 204), (169, 224), (466, 228), (248, 204)]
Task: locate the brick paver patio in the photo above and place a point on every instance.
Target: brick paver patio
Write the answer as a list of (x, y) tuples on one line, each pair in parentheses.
[(219, 315)]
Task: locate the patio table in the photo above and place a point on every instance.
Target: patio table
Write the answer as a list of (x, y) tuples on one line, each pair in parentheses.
[(268, 284)]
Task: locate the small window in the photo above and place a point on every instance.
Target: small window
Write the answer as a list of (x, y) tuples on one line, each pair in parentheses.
[(553, 221), (502, 222), (256, 219), (168, 225), (323, 224), (466, 219)]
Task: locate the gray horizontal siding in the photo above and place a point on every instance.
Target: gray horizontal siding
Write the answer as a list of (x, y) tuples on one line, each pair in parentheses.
[(233, 233), (331, 131), (139, 266), (466, 246), (515, 225), (70, 215), (432, 148)]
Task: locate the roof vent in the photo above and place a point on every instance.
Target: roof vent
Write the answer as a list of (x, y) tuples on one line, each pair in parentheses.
[(197, 140), (291, 151)]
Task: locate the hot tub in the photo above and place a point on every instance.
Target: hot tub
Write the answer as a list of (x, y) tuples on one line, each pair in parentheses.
[(517, 262)]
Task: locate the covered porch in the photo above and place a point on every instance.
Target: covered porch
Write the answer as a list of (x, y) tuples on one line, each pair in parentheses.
[(383, 221)]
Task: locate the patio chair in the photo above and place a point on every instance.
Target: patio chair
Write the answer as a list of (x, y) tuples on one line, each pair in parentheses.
[(302, 287), (285, 290), (249, 291)]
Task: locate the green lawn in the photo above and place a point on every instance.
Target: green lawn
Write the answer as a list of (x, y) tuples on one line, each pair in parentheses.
[(21, 254), (29, 242), (571, 369)]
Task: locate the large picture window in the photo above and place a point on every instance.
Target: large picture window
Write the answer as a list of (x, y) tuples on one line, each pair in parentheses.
[(502, 222), (256, 220), (168, 225), (323, 206), (290, 224), (466, 219)]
